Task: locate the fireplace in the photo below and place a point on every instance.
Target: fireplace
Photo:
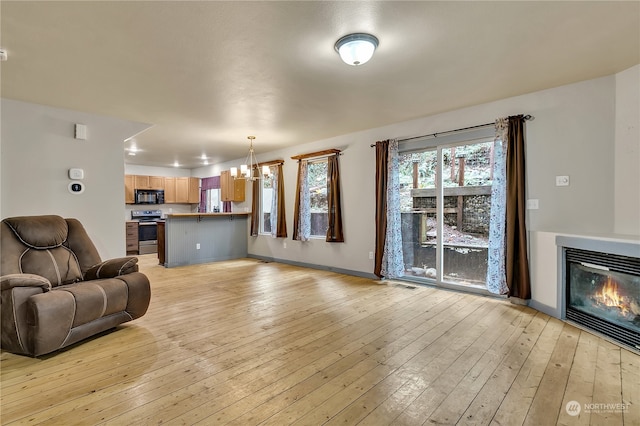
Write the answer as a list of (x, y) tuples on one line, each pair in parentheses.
[(602, 293)]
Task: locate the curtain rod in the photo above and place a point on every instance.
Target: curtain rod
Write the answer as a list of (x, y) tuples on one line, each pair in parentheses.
[(435, 135), (269, 163), (325, 153)]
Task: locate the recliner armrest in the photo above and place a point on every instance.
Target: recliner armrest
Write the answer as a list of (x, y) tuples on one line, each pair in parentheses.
[(10, 281), (112, 268)]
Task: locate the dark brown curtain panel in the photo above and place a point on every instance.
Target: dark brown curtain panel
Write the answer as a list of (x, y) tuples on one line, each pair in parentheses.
[(335, 231), (255, 209), (517, 263), (281, 228), (382, 155)]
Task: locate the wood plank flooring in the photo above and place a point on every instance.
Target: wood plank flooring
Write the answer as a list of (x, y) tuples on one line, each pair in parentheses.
[(245, 342)]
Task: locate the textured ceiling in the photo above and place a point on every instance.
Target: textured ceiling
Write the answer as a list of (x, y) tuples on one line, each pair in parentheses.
[(207, 74)]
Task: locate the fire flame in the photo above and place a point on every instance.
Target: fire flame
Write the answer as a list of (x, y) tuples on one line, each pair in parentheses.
[(609, 294)]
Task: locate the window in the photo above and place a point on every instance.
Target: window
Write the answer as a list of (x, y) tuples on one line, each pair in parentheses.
[(318, 207), (213, 204), (317, 180), (445, 193), (266, 201)]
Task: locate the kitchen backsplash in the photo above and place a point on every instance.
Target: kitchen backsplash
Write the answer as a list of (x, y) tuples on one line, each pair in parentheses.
[(166, 208)]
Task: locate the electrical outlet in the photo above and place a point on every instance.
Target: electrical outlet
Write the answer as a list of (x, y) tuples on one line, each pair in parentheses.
[(370, 255), (284, 244), (197, 246), (532, 204), (562, 180)]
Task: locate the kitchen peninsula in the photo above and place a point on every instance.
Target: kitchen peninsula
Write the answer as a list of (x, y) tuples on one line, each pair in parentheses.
[(191, 238)]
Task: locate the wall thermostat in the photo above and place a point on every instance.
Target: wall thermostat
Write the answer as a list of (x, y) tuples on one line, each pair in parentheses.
[(77, 174), (76, 187)]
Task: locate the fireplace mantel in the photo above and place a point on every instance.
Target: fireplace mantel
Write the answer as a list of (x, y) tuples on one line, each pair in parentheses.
[(624, 245)]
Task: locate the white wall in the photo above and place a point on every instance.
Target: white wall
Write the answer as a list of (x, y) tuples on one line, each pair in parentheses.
[(572, 134), (627, 152), (38, 148), (135, 169)]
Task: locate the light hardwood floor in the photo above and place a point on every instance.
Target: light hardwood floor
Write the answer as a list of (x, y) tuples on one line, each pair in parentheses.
[(245, 342)]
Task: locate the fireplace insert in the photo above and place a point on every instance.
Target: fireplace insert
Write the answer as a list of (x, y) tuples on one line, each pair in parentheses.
[(603, 294)]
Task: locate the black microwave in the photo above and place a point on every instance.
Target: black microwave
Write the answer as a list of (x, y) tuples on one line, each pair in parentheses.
[(149, 196)]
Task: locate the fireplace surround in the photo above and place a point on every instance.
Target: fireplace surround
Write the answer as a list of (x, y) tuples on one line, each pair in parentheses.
[(601, 287)]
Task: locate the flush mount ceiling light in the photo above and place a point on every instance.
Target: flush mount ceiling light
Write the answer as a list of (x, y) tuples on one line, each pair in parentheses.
[(246, 169), (356, 49)]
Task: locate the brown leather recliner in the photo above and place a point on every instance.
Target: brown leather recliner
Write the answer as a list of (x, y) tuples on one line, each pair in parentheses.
[(55, 290)]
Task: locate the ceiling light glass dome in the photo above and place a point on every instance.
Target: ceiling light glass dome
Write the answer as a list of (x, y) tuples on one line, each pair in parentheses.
[(356, 49)]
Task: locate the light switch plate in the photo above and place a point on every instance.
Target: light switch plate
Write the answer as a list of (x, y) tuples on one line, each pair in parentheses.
[(562, 180), (532, 204), (81, 132)]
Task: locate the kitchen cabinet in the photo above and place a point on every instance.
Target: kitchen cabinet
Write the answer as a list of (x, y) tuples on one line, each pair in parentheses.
[(148, 182), (161, 242), (194, 190), (231, 189), (129, 187), (169, 190), (131, 232), (184, 190)]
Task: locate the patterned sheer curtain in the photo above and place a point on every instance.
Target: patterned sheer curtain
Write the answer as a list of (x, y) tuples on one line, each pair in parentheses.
[(302, 207), (273, 219), (389, 261), (496, 276), (508, 268)]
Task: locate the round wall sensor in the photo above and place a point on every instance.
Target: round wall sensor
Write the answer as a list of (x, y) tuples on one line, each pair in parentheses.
[(76, 187)]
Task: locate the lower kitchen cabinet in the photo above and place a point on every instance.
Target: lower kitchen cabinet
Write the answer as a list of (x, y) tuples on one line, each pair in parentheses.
[(131, 230)]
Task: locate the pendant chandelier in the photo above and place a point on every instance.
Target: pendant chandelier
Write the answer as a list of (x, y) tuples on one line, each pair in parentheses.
[(246, 169)]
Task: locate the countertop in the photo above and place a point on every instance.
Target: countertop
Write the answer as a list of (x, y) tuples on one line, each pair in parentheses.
[(170, 215)]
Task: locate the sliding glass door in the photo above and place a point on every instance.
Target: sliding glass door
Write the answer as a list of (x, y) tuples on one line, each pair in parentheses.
[(446, 204)]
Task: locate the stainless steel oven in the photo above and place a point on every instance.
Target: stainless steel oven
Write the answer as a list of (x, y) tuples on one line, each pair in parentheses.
[(147, 230), (147, 237)]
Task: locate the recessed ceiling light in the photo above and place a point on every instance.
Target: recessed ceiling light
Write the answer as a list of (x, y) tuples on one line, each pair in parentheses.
[(203, 157)]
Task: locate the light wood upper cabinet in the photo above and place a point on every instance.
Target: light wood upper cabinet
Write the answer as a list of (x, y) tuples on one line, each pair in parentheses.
[(194, 190), (169, 190), (231, 189), (156, 182), (129, 186), (148, 182), (185, 190), (182, 190)]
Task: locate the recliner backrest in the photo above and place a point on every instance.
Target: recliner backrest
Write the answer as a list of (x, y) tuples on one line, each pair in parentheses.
[(50, 246)]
